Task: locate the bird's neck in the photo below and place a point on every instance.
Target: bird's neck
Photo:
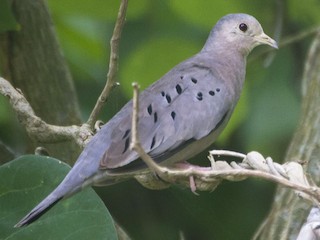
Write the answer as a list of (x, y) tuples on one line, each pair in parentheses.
[(225, 45), (228, 64)]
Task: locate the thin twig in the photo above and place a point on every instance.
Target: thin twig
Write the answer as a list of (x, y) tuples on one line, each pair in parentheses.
[(113, 64), (135, 142), (299, 36)]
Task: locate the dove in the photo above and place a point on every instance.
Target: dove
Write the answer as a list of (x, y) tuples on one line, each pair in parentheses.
[(180, 115)]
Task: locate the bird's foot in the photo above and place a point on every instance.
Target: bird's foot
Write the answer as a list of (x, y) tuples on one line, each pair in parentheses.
[(192, 182)]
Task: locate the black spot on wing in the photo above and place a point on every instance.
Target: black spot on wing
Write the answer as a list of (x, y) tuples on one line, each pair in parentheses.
[(200, 96), (126, 134), (149, 109), (153, 142), (194, 80), (173, 115), (168, 98), (155, 117), (212, 93), (126, 145), (178, 89)]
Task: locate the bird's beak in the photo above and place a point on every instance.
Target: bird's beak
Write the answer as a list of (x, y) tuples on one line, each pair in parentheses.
[(265, 39)]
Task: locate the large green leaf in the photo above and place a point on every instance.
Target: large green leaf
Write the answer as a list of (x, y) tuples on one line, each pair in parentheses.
[(27, 180)]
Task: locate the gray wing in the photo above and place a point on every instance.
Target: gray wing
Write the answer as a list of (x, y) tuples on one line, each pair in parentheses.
[(185, 105)]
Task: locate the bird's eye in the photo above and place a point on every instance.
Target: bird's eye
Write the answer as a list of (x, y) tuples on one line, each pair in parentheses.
[(243, 27)]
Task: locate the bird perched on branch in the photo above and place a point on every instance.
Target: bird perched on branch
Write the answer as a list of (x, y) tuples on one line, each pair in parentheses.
[(180, 115)]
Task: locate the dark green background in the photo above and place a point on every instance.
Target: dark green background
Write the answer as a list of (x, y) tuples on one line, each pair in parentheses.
[(159, 34)]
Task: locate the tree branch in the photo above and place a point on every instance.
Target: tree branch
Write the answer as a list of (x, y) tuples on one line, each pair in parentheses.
[(113, 64), (38, 129)]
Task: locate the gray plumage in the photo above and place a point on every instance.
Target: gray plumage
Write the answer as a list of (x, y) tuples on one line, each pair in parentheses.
[(180, 115)]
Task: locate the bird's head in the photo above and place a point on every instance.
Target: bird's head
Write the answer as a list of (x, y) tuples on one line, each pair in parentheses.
[(241, 32)]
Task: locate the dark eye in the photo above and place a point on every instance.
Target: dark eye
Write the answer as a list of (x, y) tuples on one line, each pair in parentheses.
[(243, 27)]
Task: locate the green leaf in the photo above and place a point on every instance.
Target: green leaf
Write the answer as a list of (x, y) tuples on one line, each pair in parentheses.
[(26, 181), (7, 20)]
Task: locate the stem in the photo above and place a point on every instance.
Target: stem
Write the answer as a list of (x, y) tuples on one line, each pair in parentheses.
[(113, 64)]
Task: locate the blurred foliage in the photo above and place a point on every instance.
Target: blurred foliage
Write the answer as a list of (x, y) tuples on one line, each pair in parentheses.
[(82, 217), (7, 21), (158, 34)]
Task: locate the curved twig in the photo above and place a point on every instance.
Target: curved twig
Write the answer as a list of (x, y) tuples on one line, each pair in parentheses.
[(113, 64)]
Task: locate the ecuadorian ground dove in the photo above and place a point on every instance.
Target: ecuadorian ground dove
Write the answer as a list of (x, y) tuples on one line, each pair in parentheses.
[(180, 115)]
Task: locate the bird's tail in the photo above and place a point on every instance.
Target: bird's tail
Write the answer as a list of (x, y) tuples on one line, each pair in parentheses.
[(72, 184), (64, 190), (80, 176), (38, 211)]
